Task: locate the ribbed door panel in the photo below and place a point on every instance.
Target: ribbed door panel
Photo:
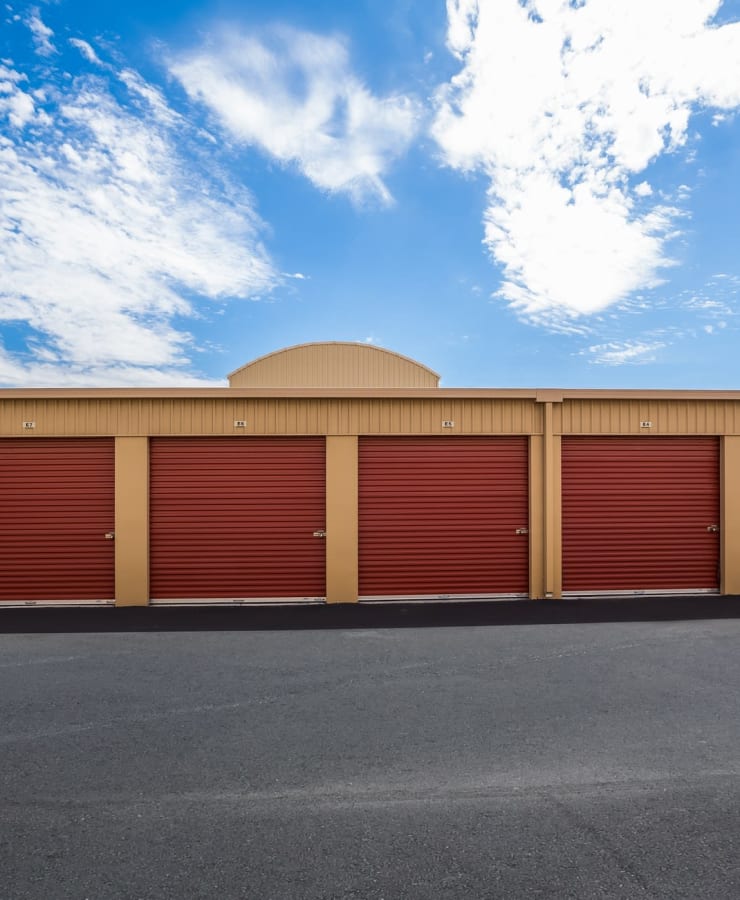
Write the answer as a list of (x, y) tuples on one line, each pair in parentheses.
[(636, 513), (438, 516), (56, 505), (235, 517)]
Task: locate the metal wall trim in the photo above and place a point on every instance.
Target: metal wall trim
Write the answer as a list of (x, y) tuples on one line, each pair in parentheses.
[(23, 604), (241, 601), (683, 592), (447, 598)]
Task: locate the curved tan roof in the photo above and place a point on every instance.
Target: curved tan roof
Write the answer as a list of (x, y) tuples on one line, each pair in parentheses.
[(334, 364)]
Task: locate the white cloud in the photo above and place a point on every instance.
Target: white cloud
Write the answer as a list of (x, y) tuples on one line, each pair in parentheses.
[(715, 303), (152, 98), (15, 103), (294, 95), (619, 353), (109, 229), (86, 50), (711, 307), (46, 371), (561, 105), (41, 34)]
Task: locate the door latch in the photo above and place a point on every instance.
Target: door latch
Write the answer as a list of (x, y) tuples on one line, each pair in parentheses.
[(319, 533), (110, 535), (522, 531), (712, 527)]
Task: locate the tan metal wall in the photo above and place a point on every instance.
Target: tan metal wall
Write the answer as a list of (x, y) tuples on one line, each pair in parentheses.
[(341, 519), (195, 416), (132, 416), (334, 364), (132, 521), (668, 417), (545, 510), (730, 515)]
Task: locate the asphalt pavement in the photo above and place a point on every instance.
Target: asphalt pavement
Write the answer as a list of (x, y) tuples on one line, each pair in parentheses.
[(479, 751)]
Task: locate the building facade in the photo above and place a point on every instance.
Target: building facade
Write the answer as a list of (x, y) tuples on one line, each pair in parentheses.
[(342, 472)]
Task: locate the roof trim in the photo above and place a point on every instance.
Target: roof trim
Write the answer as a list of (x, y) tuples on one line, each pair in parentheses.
[(541, 395)]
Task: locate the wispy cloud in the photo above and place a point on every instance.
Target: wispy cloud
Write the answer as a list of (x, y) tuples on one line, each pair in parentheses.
[(40, 33), (113, 224), (294, 95), (620, 353), (715, 303), (563, 105), (86, 50)]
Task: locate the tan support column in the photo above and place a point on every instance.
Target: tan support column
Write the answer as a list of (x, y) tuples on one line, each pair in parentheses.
[(132, 521), (553, 509), (730, 515), (341, 519), (554, 583), (536, 517)]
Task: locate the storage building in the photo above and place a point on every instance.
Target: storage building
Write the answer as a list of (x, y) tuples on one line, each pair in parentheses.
[(338, 472)]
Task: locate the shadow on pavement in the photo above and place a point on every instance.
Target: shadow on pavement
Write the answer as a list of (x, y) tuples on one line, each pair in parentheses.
[(52, 620)]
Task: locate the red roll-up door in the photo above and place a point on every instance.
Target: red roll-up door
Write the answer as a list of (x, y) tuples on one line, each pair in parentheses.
[(235, 518), (640, 514), (443, 517), (56, 506)]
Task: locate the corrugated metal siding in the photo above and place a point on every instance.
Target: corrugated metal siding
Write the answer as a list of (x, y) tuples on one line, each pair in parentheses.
[(667, 416), (234, 517), (636, 512), (191, 416), (439, 516), (334, 365), (56, 505)]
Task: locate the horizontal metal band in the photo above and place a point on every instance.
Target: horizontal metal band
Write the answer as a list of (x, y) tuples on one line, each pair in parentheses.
[(442, 598), (240, 601)]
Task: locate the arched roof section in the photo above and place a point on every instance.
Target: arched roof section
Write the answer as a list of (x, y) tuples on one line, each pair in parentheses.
[(334, 364)]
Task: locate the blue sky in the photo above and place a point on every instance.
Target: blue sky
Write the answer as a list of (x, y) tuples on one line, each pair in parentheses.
[(513, 192)]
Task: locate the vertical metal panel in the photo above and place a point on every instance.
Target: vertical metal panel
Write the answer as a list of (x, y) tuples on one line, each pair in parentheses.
[(184, 415), (730, 511), (334, 365), (235, 517), (56, 505), (636, 513), (618, 416), (538, 519), (132, 521), (305, 416), (439, 516), (341, 519)]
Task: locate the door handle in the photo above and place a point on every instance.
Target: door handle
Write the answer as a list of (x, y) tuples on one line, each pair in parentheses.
[(712, 527), (110, 535), (320, 533), (522, 531)]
